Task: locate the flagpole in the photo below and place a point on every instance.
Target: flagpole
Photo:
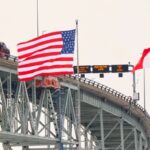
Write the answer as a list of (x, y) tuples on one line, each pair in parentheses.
[(78, 105), (34, 106), (144, 89)]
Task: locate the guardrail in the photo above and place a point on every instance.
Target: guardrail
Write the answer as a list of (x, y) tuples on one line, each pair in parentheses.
[(10, 57), (109, 90)]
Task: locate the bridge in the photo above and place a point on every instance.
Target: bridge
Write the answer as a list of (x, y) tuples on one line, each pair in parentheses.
[(96, 117)]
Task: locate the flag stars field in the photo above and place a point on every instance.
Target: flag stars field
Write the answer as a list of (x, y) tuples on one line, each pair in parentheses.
[(68, 39)]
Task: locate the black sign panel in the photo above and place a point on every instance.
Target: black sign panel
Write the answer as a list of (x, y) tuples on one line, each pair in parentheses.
[(100, 68), (83, 69), (119, 68)]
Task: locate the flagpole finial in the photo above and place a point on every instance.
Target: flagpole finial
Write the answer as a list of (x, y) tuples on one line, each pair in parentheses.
[(76, 21)]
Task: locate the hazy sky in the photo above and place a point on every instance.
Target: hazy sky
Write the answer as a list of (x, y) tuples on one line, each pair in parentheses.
[(110, 32)]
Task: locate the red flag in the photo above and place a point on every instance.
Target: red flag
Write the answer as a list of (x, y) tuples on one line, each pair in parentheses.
[(144, 61), (48, 54)]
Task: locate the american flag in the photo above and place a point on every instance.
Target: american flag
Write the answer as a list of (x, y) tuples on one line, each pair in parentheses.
[(48, 54)]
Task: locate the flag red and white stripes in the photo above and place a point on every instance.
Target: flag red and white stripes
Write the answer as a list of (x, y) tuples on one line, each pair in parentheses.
[(144, 61), (48, 54)]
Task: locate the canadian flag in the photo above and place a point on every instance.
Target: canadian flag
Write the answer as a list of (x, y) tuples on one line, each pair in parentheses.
[(144, 61)]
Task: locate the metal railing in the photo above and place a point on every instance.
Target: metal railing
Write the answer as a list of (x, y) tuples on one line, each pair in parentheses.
[(9, 57), (110, 91)]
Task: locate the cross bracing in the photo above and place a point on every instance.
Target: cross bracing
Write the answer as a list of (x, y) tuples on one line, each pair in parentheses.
[(33, 117)]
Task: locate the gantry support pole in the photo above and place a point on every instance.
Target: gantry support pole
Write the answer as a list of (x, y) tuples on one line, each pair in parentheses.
[(122, 134)]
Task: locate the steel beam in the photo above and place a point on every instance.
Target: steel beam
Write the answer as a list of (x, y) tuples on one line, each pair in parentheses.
[(102, 129), (122, 134), (135, 139)]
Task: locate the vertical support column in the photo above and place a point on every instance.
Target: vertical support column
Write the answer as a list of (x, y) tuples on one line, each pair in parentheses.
[(122, 134), (41, 101), (25, 148), (60, 120), (28, 112), (15, 117), (53, 113), (146, 145), (91, 142), (49, 127), (46, 113), (5, 116), (140, 142), (6, 146), (135, 139), (86, 139), (22, 110), (78, 115), (47, 119), (9, 100), (102, 130), (9, 90), (69, 112), (69, 127), (34, 104)]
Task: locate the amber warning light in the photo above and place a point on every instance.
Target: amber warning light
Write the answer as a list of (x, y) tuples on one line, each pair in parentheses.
[(82, 69), (119, 68), (100, 68)]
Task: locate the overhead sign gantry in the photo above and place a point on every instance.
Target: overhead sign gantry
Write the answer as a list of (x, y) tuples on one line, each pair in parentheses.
[(102, 69), (121, 68)]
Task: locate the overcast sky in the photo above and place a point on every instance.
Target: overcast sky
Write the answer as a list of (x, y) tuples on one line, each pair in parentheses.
[(110, 32)]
